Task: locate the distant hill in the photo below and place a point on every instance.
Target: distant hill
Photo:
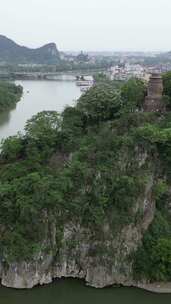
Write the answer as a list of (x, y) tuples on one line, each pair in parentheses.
[(11, 52)]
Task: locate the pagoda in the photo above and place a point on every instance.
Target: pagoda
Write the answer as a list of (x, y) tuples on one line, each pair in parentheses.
[(154, 99)]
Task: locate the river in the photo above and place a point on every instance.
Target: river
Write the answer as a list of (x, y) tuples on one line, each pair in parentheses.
[(38, 96), (76, 292), (55, 95)]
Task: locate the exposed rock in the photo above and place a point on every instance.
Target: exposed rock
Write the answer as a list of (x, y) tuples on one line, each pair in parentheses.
[(100, 261)]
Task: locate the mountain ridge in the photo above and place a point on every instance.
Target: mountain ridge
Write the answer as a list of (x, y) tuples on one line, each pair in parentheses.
[(11, 52)]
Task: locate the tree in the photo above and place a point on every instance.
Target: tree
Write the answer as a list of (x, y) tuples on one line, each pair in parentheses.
[(167, 87), (101, 78), (43, 127), (133, 94), (9, 95), (161, 257), (43, 135), (100, 103), (12, 148), (72, 127)]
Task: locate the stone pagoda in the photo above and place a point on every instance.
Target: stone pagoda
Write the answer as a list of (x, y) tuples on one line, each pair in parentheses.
[(153, 100)]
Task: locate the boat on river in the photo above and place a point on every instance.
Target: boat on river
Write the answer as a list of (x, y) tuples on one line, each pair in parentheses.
[(84, 81)]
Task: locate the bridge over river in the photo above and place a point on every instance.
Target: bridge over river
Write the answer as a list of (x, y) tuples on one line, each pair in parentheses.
[(65, 75), (37, 76)]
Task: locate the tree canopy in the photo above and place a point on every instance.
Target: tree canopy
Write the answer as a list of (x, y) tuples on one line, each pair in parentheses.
[(84, 166), (9, 95)]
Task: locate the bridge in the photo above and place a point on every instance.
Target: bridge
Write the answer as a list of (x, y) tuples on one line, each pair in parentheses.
[(67, 76), (36, 75)]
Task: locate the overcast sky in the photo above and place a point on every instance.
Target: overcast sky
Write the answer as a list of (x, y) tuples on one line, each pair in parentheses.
[(88, 24)]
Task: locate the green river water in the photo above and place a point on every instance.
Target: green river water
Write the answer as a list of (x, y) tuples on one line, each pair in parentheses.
[(76, 292)]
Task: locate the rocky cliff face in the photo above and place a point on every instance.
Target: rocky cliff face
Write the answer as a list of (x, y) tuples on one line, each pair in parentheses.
[(101, 260)]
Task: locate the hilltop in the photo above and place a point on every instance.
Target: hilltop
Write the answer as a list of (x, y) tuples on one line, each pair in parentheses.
[(11, 52), (86, 193)]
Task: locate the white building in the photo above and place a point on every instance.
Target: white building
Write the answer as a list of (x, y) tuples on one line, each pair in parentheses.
[(124, 72)]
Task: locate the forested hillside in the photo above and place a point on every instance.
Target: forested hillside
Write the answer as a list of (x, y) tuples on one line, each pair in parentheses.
[(12, 53), (87, 193)]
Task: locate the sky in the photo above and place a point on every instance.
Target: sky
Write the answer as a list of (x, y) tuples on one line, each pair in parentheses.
[(89, 25)]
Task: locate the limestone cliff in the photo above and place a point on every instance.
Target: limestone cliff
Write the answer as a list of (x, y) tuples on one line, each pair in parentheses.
[(86, 194), (101, 260)]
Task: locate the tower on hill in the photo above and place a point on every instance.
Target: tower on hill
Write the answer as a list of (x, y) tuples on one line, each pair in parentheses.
[(153, 100)]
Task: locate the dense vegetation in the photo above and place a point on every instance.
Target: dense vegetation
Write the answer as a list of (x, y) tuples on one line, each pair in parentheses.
[(9, 95), (153, 258), (83, 166)]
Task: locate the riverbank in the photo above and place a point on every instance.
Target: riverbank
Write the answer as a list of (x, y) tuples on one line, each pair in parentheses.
[(10, 94), (158, 287)]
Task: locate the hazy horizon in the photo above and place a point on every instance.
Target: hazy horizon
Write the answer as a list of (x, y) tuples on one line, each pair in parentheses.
[(106, 25)]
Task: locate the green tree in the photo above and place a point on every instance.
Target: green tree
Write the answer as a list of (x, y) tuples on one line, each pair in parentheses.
[(167, 87), (43, 135), (9, 95), (12, 148), (43, 126), (133, 94), (73, 127), (161, 257), (100, 103)]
